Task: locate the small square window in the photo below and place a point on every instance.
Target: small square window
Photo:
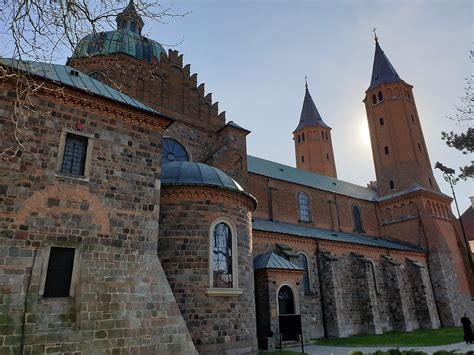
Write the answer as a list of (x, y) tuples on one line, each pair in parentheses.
[(74, 155), (59, 272), (74, 158)]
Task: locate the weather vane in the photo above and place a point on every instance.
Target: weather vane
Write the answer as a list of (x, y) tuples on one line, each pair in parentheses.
[(375, 35), (306, 81)]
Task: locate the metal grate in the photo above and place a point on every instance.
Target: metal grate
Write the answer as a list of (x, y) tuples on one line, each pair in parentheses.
[(74, 159)]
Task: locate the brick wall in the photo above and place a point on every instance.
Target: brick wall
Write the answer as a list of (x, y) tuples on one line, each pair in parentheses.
[(328, 210), (170, 88), (121, 301), (216, 323)]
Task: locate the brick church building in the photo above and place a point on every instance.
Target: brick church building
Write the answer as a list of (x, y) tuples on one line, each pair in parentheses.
[(136, 222)]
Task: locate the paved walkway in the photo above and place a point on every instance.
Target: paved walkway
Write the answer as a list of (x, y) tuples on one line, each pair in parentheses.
[(462, 348)]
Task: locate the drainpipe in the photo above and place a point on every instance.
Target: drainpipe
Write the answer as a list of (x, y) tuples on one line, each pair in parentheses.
[(320, 279)]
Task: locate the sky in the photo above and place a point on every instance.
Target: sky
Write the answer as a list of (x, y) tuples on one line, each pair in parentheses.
[(253, 57)]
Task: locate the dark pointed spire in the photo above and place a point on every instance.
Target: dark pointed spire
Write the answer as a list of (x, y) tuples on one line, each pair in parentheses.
[(310, 116), (382, 71), (129, 19)]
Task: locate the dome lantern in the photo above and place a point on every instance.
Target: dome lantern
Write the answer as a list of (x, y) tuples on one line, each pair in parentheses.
[(129, 19)]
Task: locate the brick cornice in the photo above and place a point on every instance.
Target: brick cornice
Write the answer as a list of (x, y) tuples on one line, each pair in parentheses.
[(100, 105), (327, 244), (416, 195), (173, 193)]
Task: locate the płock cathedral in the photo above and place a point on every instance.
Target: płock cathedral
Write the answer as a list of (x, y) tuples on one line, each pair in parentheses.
[(138, 224)]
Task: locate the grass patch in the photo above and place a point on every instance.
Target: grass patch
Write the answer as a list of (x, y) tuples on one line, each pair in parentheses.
[(280, 352), (419, 337)]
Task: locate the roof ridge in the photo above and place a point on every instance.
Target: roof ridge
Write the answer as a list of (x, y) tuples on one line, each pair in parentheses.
[(317, 180)]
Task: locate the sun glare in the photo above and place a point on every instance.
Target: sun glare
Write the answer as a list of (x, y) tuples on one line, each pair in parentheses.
[(364, 132)]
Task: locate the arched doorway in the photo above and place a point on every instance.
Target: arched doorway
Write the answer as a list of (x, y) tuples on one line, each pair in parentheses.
[(289, 322)]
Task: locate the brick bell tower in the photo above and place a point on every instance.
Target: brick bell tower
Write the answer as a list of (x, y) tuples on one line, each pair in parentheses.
[(313, 144), (398, 147)]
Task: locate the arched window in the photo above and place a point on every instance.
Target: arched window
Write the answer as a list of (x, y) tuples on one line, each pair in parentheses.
[(374, 99), (322, 134), (327, 156), (381, 121), (302, 136), (302, 158), (223, 260), (286, 301), (357, 218), (303, 263), (299, 138), (173, 151), (97, 75), (380, 94), (392, 185), (303, 207), (419, 147), (386, 150), (412, 118)]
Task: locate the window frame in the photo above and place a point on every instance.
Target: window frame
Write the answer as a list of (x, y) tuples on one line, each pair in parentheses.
[(309, 220), (361, 229), (88, 157), (310, 289), (295, 297), (74, 276), (391, 185), (221, 291), (186, 149)]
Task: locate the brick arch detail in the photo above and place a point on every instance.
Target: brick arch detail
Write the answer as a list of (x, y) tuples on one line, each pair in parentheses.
[(39, 201)]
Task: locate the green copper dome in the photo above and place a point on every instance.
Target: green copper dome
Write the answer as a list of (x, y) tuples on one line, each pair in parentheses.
[(127, 39), (119, 41)]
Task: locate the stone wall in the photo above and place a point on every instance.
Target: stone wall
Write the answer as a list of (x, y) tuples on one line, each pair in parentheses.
[(358, 289), (120, 300), (217, 323)]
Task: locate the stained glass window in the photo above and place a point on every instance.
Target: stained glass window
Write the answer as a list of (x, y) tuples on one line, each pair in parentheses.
[(303, 263), (173, 151), (303, 207), (286, 304), (356, 216), (74, 159), (222, 256)]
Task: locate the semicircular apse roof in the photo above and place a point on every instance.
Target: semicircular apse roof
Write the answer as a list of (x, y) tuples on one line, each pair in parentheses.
[(197, 174)]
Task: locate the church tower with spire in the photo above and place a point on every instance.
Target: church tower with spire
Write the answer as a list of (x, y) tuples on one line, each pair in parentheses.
[(313, 142), (398, 146)]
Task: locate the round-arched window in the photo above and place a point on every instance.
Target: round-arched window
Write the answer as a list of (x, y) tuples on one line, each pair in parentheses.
[(303, 263), (222, 256), (173, 151), (286, 302), (303, 207), (97, 75)]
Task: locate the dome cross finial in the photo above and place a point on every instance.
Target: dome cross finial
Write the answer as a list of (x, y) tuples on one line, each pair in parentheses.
[(374, 30)]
